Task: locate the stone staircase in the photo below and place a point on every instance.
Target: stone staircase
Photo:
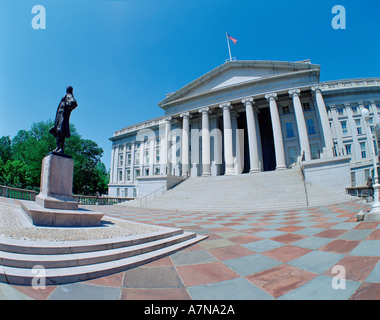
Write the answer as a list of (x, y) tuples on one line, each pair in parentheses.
[(272, 190), (72, 261)]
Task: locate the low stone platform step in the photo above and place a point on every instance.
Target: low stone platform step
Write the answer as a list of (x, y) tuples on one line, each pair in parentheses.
[(41, 216), (53, 276)]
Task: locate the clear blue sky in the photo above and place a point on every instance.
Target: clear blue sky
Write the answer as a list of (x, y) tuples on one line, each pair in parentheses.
[(123, 57)]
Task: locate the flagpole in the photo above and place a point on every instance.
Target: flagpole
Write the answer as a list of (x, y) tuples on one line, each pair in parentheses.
[(229, 49)]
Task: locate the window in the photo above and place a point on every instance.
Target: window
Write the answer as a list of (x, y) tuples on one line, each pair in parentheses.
[(363, 151), (134, 192), (306, 106), (285, 109), (120, 160), (120, 175), (344, 127), (147, 172), (128, 175), (366, 174), (289, 129), (117, 192), (157, 155), (126, 192), (348, 148), (129, 157), (138, 144), (353, 179), (370, 121), (158, 171), (354, 109), (292, 155), (137, 172), (146, 156), (137, 158), (314, 150), (340, 111), (128, 147), (358, 126), (310, 126)]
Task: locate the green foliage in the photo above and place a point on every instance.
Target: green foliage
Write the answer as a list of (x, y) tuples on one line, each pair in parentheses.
[(21, 159)]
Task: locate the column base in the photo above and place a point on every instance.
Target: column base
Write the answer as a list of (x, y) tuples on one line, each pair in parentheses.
[(373, 215), (255, 170), (206, 174), (281, 168)]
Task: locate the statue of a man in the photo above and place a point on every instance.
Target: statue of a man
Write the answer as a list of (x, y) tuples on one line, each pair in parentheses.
[(61, 129)]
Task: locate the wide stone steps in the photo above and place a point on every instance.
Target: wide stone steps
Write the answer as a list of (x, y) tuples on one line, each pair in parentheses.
[(275, 190), (72, 261)]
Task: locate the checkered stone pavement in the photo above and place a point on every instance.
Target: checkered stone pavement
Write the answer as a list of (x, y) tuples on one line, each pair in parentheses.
[(247, 256)]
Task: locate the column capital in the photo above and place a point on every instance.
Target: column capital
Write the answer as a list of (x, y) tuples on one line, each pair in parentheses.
[(185, 115), (317, 89), (271, 96), (167, 119), (249, 100), (294, 92), (225, 106), (204, 110)]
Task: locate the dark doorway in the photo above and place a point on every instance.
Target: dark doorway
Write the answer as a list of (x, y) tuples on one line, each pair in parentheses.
[(242, 124), (267, 143)]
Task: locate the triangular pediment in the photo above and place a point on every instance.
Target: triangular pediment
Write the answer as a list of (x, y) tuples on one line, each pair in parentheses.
[(235, 73)]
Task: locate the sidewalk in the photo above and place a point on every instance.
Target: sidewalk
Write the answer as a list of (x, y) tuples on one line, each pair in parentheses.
[(265, 255)]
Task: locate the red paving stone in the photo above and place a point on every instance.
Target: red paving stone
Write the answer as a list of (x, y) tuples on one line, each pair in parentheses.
[(230, 252), (286, 253), (340, 246), (356, 268), (280, 280), (330, 233), (375, 235), (198, 274), (155, 294), (367, 291), (290, 228), (289, 238)]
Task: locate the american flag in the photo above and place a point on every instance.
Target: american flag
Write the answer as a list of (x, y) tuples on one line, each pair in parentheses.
[(232, 39)]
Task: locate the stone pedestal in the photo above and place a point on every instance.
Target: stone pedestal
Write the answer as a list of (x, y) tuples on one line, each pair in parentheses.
[(57, 183), (55, 205)]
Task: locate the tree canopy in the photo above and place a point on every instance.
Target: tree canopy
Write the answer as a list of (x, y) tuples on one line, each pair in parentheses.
[(21, 159)]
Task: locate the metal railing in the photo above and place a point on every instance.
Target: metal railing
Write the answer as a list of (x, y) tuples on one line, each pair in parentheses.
[(151, 196), (23, 194), (99, 201), (16, 193)]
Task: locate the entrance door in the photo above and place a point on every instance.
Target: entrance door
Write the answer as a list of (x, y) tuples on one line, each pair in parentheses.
[(267, 142)]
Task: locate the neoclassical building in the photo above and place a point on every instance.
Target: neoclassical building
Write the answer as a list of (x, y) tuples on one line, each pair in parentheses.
[(245, 117)]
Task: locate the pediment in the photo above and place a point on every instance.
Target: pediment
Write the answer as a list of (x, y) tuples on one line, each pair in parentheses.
[(235, 73)]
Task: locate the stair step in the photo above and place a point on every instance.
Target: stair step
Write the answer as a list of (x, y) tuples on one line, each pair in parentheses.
[(24, 276)]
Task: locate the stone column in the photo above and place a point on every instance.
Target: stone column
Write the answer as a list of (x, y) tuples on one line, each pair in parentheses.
[(252, 135), (185, 143), (166, 146), (328, 150), (132, 167), (302, 131), (277, 134), (228, 152), (206, 158), (112, 167), (124, 163), (376, 117)]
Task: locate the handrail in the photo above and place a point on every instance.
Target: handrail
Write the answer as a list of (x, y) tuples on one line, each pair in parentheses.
[(149, 194), (16, 193), (304, 182)]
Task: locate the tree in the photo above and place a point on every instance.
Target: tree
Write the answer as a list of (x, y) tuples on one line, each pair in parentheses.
[(21, 159)]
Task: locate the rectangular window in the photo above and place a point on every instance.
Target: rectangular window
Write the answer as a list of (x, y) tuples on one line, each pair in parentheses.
[(314, 150), (157, 155), (120, 160), (117, 192), (125, 192), (363, 150), (358, 126), (146, 156), (306, 106), (137, 173), (120, 175), (366, 174), (348, 148), (344, 127), (134, 192), (137, 158), (310, 126), (340, 111), (158, 171), (147, 172), (128, 175), (292, 155), (353, 179), (289, 129), (354, 109), (285, 109), (129, 157)]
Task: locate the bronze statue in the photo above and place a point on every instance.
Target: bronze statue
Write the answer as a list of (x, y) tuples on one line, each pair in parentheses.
[(61, 129)]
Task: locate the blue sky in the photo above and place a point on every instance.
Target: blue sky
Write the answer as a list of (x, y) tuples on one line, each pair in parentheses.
[(123, 57)]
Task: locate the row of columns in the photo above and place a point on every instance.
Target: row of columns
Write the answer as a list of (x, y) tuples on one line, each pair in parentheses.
[(252, 129)]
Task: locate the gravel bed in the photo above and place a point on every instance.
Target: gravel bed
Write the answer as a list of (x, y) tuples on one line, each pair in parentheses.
[(11, 227)]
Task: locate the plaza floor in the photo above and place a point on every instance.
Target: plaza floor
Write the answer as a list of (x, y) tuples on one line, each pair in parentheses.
[(290, 255)]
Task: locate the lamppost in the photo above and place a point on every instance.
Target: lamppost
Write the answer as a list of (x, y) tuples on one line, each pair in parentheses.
[(374, 213)]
